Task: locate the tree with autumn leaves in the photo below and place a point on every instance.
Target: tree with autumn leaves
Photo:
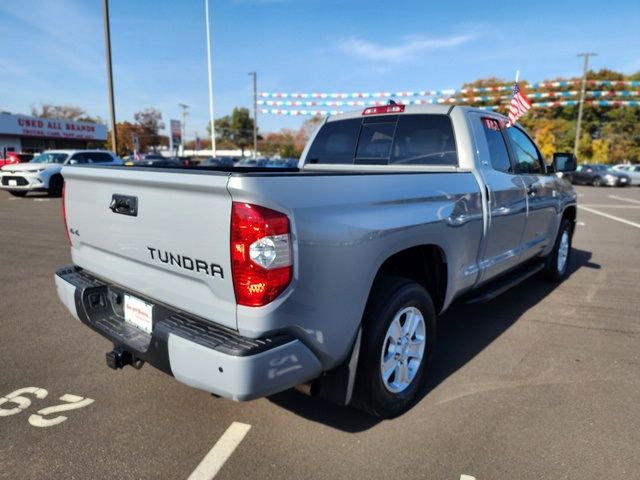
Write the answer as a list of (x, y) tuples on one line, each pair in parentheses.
[(608, 134), (145, 127)]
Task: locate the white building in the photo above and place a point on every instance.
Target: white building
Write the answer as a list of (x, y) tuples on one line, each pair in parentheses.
[(22, 133)]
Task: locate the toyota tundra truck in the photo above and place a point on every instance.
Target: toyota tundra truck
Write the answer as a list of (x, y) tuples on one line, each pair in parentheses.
[(244, 282)]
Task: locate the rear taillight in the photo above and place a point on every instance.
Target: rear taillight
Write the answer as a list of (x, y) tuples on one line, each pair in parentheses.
[(394, 108), (64, 213), (261, 257)]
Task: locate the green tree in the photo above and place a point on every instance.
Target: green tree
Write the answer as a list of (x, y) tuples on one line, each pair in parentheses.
[(235, 129), (600, 150), (545, 138), (608, 133)]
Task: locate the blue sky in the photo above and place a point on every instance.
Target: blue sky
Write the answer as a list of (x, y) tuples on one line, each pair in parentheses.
[(52, 51)]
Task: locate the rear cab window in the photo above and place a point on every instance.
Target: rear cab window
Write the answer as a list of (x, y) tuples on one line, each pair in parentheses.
[(410, 139)]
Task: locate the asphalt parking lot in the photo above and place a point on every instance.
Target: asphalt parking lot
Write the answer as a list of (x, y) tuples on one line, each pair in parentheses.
[(543, 382)]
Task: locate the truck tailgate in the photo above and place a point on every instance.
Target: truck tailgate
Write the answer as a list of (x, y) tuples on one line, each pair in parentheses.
[(173, 246)]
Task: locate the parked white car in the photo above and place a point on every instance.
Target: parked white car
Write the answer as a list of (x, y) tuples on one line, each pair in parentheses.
[(43, 172), (632, 170)]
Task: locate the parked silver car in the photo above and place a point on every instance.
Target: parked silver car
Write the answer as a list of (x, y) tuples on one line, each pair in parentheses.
[(632, 171)]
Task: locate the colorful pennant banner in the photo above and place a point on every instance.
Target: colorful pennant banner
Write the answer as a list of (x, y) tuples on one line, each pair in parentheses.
[(362, 103), (431, 93), (599, 103)]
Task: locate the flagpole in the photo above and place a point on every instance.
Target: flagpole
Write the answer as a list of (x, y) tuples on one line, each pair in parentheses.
[(517, 75), (212, 124)]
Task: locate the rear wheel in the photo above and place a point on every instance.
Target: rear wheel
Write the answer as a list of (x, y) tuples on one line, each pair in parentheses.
[(557, 264), (18, 193), (597, 182), (55, 186), (398, 338)]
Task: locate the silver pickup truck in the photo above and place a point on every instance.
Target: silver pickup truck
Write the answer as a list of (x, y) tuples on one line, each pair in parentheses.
[(244, 282)]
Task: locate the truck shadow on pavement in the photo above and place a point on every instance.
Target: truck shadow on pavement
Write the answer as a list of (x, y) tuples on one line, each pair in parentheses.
[(463, 332)]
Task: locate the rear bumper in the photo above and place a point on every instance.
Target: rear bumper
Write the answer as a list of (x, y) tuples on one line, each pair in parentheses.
[(196, 352), (617, 182)]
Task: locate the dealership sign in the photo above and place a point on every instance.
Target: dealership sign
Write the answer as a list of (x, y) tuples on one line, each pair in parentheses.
[(23, 126), (176, 133)]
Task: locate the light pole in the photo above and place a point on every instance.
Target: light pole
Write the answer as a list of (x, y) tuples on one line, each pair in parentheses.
[(255, 113), (211, 118), (586, 56), (112, 107), (184, 108)]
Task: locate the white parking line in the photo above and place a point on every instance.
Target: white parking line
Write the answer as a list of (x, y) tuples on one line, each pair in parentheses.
[(467, 477), (610, 206), (220, 453), (615, 197), (611, 217)]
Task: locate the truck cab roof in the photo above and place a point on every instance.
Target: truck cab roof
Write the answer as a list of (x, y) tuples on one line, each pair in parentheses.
[(414, 109)]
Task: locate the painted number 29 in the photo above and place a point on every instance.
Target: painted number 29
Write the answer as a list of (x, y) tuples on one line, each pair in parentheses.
[(17, 401)]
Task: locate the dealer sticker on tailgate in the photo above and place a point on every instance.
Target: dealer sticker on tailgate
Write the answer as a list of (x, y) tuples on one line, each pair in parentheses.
[(138, 313)]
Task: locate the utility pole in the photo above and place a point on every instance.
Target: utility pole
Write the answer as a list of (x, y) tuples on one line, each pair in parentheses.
[(112, 107), (586, 56), (255, 113), (211, 118), (184, 108)]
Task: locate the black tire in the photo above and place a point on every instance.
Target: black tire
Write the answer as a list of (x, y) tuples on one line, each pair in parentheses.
[(55, 186), (389, 297), (551, 270), (18, 193), (597, 182)]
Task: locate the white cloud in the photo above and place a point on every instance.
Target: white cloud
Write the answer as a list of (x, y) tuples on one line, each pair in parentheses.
[(403, 52), (63, 32)]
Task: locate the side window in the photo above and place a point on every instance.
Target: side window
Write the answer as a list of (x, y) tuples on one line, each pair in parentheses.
[(528, 159), (424, 140), (497, 147), (78, 157), (98, 157)]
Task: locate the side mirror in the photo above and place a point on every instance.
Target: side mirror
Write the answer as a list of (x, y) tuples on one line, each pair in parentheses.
[(564, 162), (73, 162)]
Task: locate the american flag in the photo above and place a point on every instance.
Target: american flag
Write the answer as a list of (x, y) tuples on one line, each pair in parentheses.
[(519, 105)]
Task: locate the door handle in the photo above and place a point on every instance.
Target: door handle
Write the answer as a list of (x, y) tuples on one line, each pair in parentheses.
[(124, 205)]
